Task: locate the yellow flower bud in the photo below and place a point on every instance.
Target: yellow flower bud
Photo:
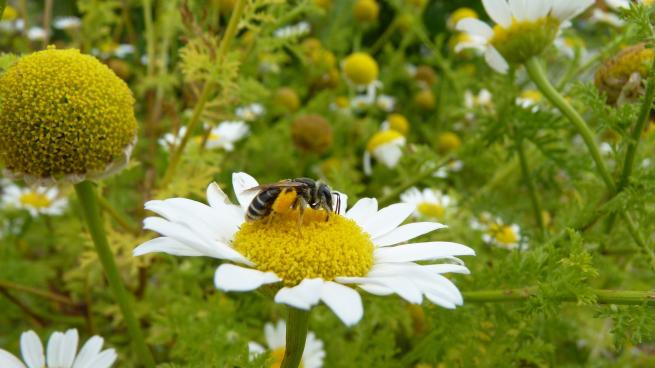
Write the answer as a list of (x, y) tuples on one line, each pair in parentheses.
[(360, 68), (425, 75), (10, 13), (366, 10), (64, 116), (398, 123), (425, 100), (448, 142), (312, 133), (288, 99)]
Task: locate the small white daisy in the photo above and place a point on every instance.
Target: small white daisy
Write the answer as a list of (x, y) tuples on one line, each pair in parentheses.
[(226, 134), (606, 17), (66, 23), (444, 171), (295, 30), (312, 356), (385, 103), (37, 201), (123, 50), (61, 352), (170, 140), (250, 112), (529, 99), (385, 146), (496, 232), (535, 23), (427, 202), (36, 34), (366, 247)]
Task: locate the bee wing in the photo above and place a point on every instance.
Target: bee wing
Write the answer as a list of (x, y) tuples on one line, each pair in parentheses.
[(282, 184)]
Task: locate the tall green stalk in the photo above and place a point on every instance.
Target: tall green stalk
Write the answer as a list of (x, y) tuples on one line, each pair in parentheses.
[(207, 89), (89, 202), (534, 198), (3, 3), (297, 327)]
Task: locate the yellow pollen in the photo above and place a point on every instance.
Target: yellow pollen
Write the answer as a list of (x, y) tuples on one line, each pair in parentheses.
[(318, 249), (34, 199), (431, 209), (381, 138), (503, 234), (278, 356), (284, 201)]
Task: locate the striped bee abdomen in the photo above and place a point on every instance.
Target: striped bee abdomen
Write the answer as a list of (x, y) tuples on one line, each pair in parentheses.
[(261, 204)]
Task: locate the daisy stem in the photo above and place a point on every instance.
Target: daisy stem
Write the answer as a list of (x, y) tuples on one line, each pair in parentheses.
[(3, 3), (624, 297), (296, 336), (89, 202), (534, 198), (207, 90)]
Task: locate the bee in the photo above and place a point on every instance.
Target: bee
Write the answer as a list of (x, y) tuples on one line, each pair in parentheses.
[(291, 194)]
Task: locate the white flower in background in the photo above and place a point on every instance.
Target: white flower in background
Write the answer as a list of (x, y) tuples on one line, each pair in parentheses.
[(410, 69), (606, 17), (312, 356), (123, 50), (36, 34), (529, 99), (61, 352), (523, 28), (472, 102), (428, 202), (226, 134), (365, 247), (360, 102), (444, 171), (385, 146), (170, 140), (386, 103), (296, 30), (625, 4), (569, 46), (37, 201), (496, 232), (65, 23), (250, 112)]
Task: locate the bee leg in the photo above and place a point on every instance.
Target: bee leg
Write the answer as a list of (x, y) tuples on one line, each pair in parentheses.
[(327, 211), (301, 208), (270, 218)]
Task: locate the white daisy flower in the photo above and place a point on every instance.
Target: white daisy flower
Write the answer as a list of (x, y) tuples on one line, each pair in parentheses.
[(170, 140), (360, 247), (427, 202), (123, 50), (386, 146), (312, 356), (625, 4), (523, 28), (385, 103), (296, 30), (36, 34), (65, 23), (37, 201), (529, 99), (482, 99), (496, 232), (61, 352), (606, 17), (444, 171), (250, 112), (226, 134)]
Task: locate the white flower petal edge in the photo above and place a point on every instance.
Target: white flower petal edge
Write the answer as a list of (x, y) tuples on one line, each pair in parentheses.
[(32, 349)]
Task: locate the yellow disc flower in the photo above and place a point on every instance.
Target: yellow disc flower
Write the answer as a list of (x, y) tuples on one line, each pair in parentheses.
[(10, 13), (287, 98), (65, 116), (366, 10), (312, 133), (360, 68), (459, 14), (425, 99), (398, 123), (448, 142)]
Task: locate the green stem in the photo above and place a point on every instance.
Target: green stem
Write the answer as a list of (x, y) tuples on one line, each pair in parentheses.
[(34, 291), (382, 40), (123, 221), (534, 198), (177, 152), (627, 297), (3, 3), (389, 198), (150, 36), (88, 200), (538, 76), (296, 336)]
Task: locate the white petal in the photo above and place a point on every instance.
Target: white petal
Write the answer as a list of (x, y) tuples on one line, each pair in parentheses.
[(495, 60), (518, 8), (402, 286), (229, 277), (366, 164), (314, 353), (68, 349), (344, 302), (302, 296), (564, 10), (275, 334), (538, 9), (421, 252), (216, 197), (104, 359), (166, 245), (475, 27), (376, 289), (32, 350), (363, 210), (53, 349), (389, 154), (499, 11), (387, 219), (447, 268), (8, 360), (88, 352), (254, 349), (241, 182), (406, 232)]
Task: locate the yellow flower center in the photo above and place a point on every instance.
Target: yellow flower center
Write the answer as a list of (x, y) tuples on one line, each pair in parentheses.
[(431, 209), (360, 68), (460, 14), (10, 13), (532, 95), (278, 356), (398, 123), (524, 39), (382, 138), (34, 199), (503, 234), (297, 248)]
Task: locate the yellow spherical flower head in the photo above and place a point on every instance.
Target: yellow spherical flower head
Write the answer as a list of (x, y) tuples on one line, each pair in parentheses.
[(425, 100), (361, 69), (10, 13), (366, 10), (460, 14), (448, 142), (398, 123), (64, 116), (287, 98), (312, 133), (621, 76)]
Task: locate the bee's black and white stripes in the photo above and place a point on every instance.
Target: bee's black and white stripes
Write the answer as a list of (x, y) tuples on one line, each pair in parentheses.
[(262, 203)]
